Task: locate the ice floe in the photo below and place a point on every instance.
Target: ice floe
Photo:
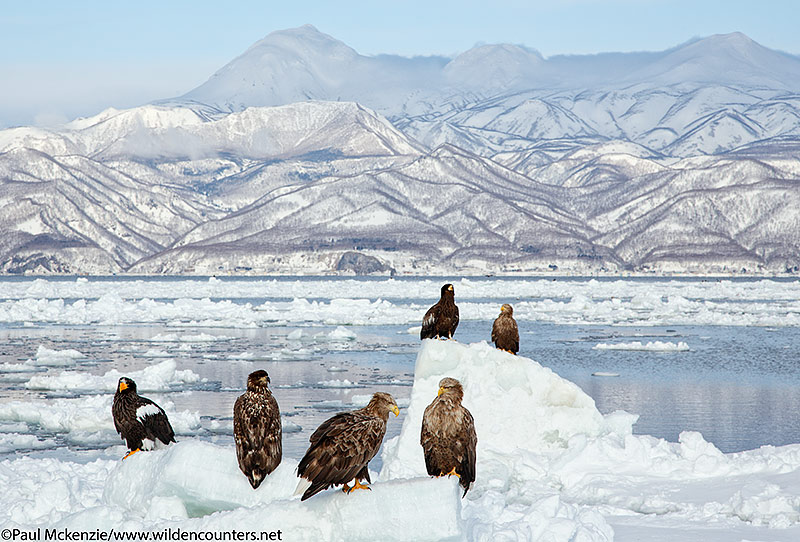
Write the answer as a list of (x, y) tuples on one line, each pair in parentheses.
[(550, 468), (55, 358), (85, 420), (159, 377), (650, 346), (230, 303)]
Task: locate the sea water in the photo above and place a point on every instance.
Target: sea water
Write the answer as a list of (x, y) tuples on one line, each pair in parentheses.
[(718, 357)]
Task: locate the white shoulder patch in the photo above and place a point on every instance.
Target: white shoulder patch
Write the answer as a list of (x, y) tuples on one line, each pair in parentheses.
[(147, 410)]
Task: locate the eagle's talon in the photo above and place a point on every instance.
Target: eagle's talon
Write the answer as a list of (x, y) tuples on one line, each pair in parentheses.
[(131, 453), (357, 485)]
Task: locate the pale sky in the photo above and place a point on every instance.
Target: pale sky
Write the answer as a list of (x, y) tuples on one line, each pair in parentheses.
[(61, 59)]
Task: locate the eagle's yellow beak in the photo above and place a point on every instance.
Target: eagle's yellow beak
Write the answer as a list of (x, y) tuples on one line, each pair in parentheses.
[(395, 410), (123, 386), (441, 391), (451, 288)]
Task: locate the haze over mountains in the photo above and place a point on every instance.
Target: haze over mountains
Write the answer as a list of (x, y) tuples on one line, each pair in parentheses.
[(301, 151)]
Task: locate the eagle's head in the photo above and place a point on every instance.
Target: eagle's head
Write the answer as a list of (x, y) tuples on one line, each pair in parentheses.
[(447, 289), (507, 309), (258, 380), (382, 404), (126, 385), (451, 388)]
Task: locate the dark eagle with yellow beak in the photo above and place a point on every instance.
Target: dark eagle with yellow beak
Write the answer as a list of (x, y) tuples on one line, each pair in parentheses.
[(441, 320), (257, 429), (342, 447), (139, 420), (505, 333), (448, 436)]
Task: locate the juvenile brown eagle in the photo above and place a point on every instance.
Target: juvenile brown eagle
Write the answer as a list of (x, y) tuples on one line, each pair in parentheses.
[(448, 436), (343, 445), (139, 420), (505, 333), (257, 429), (441, 320)]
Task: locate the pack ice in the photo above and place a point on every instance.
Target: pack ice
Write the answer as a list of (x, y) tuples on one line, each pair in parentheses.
[(550, 467)]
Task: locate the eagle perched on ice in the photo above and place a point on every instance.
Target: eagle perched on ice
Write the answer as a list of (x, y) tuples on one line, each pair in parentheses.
[(505, 333), (441, 320), (342, 447), (257, 429), (139, 420), (448, 436)]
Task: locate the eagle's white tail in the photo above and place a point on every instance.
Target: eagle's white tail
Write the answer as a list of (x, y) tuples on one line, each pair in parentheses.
[(302, 485)]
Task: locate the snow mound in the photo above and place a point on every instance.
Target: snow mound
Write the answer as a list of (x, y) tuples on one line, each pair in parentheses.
[(521, 410), (195, 479), (44, 491), (159, 377), (550, 467), (516, 403), (650, 346)]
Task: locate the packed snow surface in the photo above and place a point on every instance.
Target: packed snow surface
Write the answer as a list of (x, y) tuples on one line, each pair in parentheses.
[(550, 467)]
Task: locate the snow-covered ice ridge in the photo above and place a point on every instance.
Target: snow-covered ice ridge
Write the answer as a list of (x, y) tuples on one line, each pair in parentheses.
[(764, 302), (677, 161), (550, 467)]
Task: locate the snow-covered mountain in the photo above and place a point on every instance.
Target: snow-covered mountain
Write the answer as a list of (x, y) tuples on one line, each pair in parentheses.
[(302, 150)]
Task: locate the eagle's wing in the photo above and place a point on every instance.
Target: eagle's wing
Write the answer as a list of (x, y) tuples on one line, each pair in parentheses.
[(429, 323), (455, 321), (115, 411), (154, 420), (514, 335), (340, 448), (496, 329), (426, 440), (470, 440)]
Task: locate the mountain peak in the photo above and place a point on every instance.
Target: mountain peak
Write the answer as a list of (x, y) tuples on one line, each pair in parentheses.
[(304, 41), (501, 64), (724, 59), (286, 66)]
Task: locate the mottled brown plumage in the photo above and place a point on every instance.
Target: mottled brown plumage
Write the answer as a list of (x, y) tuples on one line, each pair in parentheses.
[(343, 445), (257, 429), (448, 435), (139, 420), (441, 320), (505, 333)]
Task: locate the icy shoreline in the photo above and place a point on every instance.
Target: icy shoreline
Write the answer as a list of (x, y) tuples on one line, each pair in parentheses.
[(550, 468)]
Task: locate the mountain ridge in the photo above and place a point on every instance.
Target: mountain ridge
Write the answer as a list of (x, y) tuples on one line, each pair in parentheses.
[(499, 160)]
